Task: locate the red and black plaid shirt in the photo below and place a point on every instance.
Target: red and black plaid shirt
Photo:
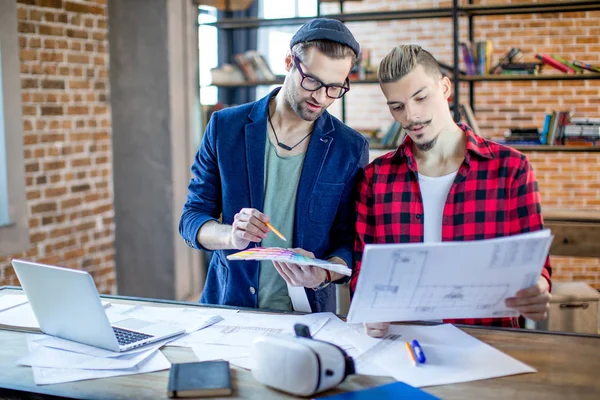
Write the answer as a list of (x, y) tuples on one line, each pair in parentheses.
[(494, 194)]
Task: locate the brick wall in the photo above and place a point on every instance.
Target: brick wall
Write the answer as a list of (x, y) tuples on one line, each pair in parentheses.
[(567, 180), (67, 137)]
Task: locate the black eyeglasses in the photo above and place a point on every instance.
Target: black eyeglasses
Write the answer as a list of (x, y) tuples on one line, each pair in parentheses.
[(313, 84)]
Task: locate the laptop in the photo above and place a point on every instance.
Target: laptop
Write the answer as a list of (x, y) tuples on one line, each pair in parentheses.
[(67, 305)]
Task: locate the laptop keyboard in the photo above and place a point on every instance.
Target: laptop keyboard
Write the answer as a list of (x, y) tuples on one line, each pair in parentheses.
[(125, 337)]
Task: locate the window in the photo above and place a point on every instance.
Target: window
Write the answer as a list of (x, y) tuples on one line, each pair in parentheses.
[(274, 42), (14, 224), (208, 53)]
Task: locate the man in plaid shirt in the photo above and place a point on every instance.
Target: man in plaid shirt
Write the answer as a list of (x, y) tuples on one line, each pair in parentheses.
[(444, 183)]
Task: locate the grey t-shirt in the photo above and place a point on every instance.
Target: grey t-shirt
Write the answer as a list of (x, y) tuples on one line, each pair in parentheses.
[(282, 175)]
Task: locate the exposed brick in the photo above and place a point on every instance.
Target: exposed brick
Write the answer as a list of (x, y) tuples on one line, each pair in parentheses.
[(50, 3), (54, 165), (29, 83), (77, 33), (51, 30), (55, 192), (51, 56), (52, 110), (28, 55), (80, 188), (35, 15), (26, 27), (53, 84), (44, 207), (78, 58), (78, 110), (83, 8)]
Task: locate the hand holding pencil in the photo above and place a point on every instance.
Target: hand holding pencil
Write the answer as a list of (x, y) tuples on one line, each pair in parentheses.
[(250, 225)]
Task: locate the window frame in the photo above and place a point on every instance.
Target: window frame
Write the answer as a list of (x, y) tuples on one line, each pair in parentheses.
[(14, 236)]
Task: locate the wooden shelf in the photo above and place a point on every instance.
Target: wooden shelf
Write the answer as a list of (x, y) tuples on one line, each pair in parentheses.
[(545, 7), (248, 84), (500, 78), (542, 147), (470, 78), (234, 23), (444, 12), (571, 215)]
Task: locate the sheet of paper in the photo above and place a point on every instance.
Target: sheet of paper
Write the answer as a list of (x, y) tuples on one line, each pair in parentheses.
[(191, 319), (452, 356), (11, 300), (425, 281), (19, 317), (68, 345), (242, 329), (209, 352), (56, 358), (352, 341), (287, 255), (45, 376)]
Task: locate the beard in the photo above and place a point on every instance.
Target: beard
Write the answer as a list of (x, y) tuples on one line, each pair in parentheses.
[(430, 144), (297, 103), (427, 145)]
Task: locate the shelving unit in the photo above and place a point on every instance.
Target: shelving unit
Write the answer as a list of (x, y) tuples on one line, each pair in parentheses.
[(453, 13)]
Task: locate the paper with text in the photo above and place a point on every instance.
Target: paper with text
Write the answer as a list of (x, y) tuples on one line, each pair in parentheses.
[(425, 281), (452, 355), (242, 329)]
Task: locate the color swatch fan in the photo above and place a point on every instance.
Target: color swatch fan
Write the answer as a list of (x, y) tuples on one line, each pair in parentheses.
[(285, 255)]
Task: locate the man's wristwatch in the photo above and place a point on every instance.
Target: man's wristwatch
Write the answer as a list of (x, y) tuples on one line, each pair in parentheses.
[(325, 283)]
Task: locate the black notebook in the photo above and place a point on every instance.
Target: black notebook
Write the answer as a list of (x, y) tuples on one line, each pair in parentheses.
[(200, 379)]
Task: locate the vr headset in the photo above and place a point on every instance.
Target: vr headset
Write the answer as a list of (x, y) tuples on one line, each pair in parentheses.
[(299, 365)]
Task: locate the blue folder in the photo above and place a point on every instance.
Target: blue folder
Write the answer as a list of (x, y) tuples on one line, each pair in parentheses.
[(396, 390)]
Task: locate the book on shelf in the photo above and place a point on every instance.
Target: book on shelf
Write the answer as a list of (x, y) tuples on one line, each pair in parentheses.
[(513, 56), (546, 59), (582, 132), (483, 55), (522, 136), (448, 70), (254, 67), (227, 74), (468, 58), (556, 127), (545, 129), (569, 64), (468, 117), (391, 139), (586, 66), (521, 68)]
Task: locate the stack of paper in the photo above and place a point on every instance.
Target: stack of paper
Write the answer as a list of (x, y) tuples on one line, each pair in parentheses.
[(55, 360)]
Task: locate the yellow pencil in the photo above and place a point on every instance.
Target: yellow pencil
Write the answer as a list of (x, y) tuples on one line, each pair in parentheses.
[(411, 354), (275, 231)]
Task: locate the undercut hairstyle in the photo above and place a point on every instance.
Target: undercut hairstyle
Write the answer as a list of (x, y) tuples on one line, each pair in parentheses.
[(403, 59), (331, 49)]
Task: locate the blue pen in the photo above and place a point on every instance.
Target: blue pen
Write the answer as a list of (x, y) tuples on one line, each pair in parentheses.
[(418, 352)]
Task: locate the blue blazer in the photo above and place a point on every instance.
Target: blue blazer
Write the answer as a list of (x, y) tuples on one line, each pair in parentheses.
[(228, 175)]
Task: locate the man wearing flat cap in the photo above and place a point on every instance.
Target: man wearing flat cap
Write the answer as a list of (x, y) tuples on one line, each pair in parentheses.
[(284, 160)]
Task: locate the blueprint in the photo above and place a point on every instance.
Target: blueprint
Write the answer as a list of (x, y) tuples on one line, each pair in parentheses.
[(425, 281)]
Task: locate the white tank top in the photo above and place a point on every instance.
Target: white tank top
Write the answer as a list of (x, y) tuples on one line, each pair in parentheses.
[(434, 192)]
